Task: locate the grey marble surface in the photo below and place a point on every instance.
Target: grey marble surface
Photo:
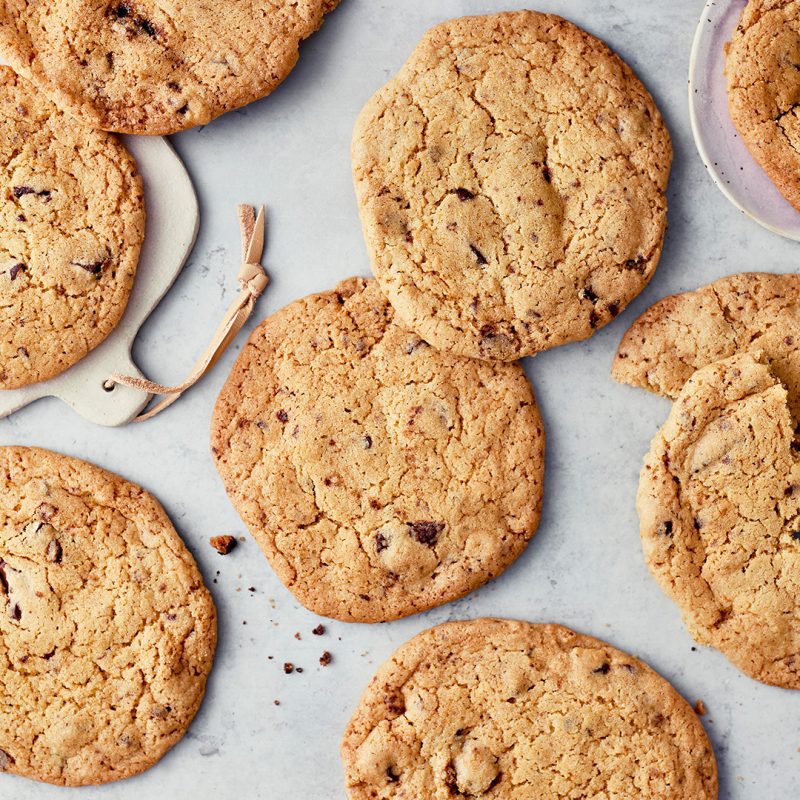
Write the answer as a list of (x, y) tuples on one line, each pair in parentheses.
[(584, 568)]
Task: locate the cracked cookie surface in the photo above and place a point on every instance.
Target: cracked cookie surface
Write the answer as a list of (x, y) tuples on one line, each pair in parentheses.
[(107, 632), (502, 709), (719, 507), (155, 66), (380, 476), (511, 183), (71, 227), (752, 311), (762, 65)]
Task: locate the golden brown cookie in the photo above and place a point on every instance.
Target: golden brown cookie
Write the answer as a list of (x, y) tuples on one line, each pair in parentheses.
[(380, 476), (501, 709), (107, 632), (71, 226), (154, 66), (719, 505), (752, 311), (511, 183), (762, 66)]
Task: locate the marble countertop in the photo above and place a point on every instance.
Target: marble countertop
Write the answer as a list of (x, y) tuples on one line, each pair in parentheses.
[(584, 568)]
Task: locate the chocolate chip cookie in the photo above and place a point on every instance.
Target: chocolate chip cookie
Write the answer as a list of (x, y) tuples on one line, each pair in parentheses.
[(71, 226), (719, 505), (762, 66), (107, 632), (380, 476), (511, 184), (748, 312), (501, 709), (153, 66)]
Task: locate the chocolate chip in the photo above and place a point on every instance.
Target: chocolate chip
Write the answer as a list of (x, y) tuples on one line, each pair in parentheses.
[(45, 512), (788, 340), (391, 775), (92, 267), (23, 351), (15, 270), (282, 416), (319, 630), (603, 669), (796, 536), (366, 441), (288, 668), (480, 258), (636, 264), (413, 345), (21, 191), (380, 542), (54, 551), (174, 86), (594, 319), (613, 309), (463, 195), (325, 659), (223, 544), (3, 577), (547, 175), (587, 293), (159, 712), (451, 779), (5, 761), (426, 532), (184, 108), (665, 529), (16, 612), (133, 23), (394, 704)]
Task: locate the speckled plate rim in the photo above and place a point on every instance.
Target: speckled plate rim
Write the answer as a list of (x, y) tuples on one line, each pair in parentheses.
[(734, 170)]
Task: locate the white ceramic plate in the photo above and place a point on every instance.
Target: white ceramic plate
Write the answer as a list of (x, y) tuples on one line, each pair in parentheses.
[(172, 221), (725, 155)]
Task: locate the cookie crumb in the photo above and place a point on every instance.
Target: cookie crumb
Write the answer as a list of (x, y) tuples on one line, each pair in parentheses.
[(288, 668), (700, 708), (319, 630), (276, 702), (298, 669), (325, 659), (222, 544)]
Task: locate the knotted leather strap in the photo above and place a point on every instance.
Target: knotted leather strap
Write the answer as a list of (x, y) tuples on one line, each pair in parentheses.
[(252, 281)]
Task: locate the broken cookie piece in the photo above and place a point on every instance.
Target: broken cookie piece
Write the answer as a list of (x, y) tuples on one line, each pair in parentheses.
[(721, 478), (507, 710)]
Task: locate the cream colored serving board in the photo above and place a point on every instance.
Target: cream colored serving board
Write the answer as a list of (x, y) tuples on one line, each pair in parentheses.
[(172, 222)]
